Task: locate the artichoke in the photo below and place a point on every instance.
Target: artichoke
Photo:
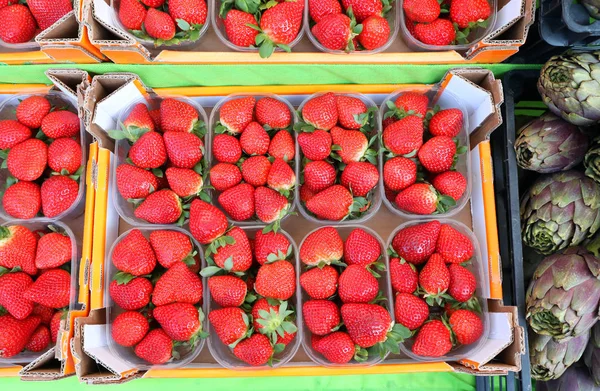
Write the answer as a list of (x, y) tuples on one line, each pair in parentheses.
[(549, 144), (564, 295), (592, 160), (592, 354), (560, 210), (575, 378), (592, 7), (549, 359), (570, 86)]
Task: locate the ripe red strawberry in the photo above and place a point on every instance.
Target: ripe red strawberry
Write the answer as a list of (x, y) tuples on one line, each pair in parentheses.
[(375, 32), (185, 150), (357, 285), (337, 347), (149, 151), (61, 123), (276, 280), (434, 278), (236, 27), (466, 325), (315, 145), (306, 194), (175, 115), (58, 194), (399, 173), (27, 161), (15, 334), (53, 250), (274, 321), (18, 24), (351, 109), (52, 289), (270, 246), (192, 11), (134, 255), (281, 177), (367, 324), (363, 9), (322, 246), (156, 348), (129, 328), (230, 324), (46, 13), (314, 341), (437, 154), (55, 324), (320, 283), (32, 110), (450, 183), (226, 148), (282, 146), (270, 206), (255, 170), (388, 121), (319, 9), (321, 111), (160, 207), (17, 248), (352, 144), (403, 275), (421, 11), (236, 114), (333, 32), (464, 12), (159, 25), (454, 246), (177, 285), (419, 198), (360, 178), (321, 316), (184, 182), (447, 122), (438, 33), (224, 176), (181, 321), (410, 311), (155, 116), (462, 283), (12, 133), (280, 25), (256, 350), (131, 295), (404, 137), (273, 113), (22, 200), (319, 175), (433, 340), (64, 156), (417, 243), (413, 103), (334, 203), (255, 139), (171, 247), (12, 288), (207, 222), (239, 252), (153, 3), (238, 202), (132, 14), (39, 340), (227, 291), (134, 182), (45, 313), (361, 248), (138, 122)]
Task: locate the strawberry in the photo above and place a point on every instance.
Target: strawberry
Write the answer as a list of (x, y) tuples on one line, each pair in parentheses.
[(276, 280), (370, 325), (149, 151), (230, 324), (52, 289), (239, 251), (133, 254), (320, 283), (315, 145), (39, 340), (226, 148), (207, 223), (178, 116), (58, 194), (362, 9), (419, 198), (192, 11), (236, 114), (138, 122), (132, 14), (271, 320), (155, 117), (410, 311), (159, 25), (437, 154), (156, 347), (466, 325), (184, 182), (322, 247), (314, 341), (321, 316), (12, 133), (434, 278), (55, 324), (153, 3), (453, 246), (319, 9), (462, 283), (171, 247), (399, 173), (447, 122), (440, 32), (334, 203), (255, 170), (465, 12), (12, 288), (421, 11), (47, 12), (14, 333), (282, 146), (185, 150), (134, 182), (129, 328), (177, 285), (22, 200), (450, 183), (255, 139), (375, 32), (404, 137), (279, 26), (417, 243), (32, 110), (403, 275), (334, 32), (64, 156), (160, 207), (256, 350), (224, 176), (338, 348), (27, 161), (180, 321), (357, 285), (412, 103), (238, 202), (236, 27), (270, 206), (45, 313), (53, 250), (131, 295), (352, 144), (17, 248), (321, 112), (281, 177), (319, 175), (352, 112), (18, 24), (390, 195), (433, 340), (360, 178), (273, 113), (61, 123), (306, 194), (361, 248), (271, 246), (387, 122), (227, 291)]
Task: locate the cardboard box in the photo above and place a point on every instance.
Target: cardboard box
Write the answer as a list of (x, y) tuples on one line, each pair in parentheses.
[(109, 93), (513, 22)]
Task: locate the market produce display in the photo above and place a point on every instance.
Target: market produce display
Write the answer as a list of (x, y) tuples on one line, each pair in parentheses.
[(21, 21)]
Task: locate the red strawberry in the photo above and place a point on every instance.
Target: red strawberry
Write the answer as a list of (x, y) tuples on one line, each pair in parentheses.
[(171, 247), (226, 148), (131, 295), (419, 198), (281, 177), (177, 285), (272, 321), (256, 350), (39, 340), (421, 11), (227, 291), (255, 170), (434, 278), (230, 324), (390, 195), (255, 139), (375, 32), (155, 116), (306, 194), (239, 251), (58, 194), (321, 111), (410, 311), (236, 27), (337, 347), (273, 113), (437, 154), (438, 33), (388, 121), (17, 248), (64, 156), (160, 207), (464, 12), (134, 255), (416, 243), (52, 289), (282, 146), (357, 285), (321, 316), (185, 150), (334, 203), (153, 3), (14, 333), (447, 122), (45, 313), (12, 288), (22, 200), (192, 11), (132, 14), (236, 114), (350, 110), (55, 324), (18, 24), (129, 328), (433, 340), (362, 9), (159, 25), (53, 250), (156, 348), (367, 324), (175, 115), (12, 133), (399, 173), (184, 182), (149, 151), (276, 280), (270, 246), (466, 325), (314, 341), (280, 25), (319, 9), (270, 206), (315, 145), (32, 110), (207, 222), (360, 178), (450, 183), (238, 202), (361, 248), (134, 182), (320, 283), (322, 246), (462, 283), (47, 13), (181, 321), (454, 246), (334, 32), (319, 175), (403, 275), (61, 123), (404, 137), (412, 103), (27, 161), (138, 122), (224, 176), (352, 144)]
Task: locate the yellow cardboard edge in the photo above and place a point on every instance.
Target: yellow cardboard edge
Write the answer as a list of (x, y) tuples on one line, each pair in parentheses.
[(285, 90), (88, 228), (102, 167), (24, 88)]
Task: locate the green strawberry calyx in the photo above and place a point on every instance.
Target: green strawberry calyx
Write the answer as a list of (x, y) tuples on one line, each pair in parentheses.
[(276, 322), (396, 334)]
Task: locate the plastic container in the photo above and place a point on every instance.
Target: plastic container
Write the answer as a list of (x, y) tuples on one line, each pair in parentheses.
[(112, 311), (57, 99), (224, 355), (219, 27), (376, 193), (567, 23), (475, 36), (476, 267), (392, 17), (446, 100), (384, 287), (124, 207), (42, 224), (214, 118)]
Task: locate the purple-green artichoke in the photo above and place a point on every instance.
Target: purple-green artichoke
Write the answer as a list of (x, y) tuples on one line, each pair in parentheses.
[(575, 378), (550, 359), (564, 294), (560, 210), (591, 161), (592, 354)]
